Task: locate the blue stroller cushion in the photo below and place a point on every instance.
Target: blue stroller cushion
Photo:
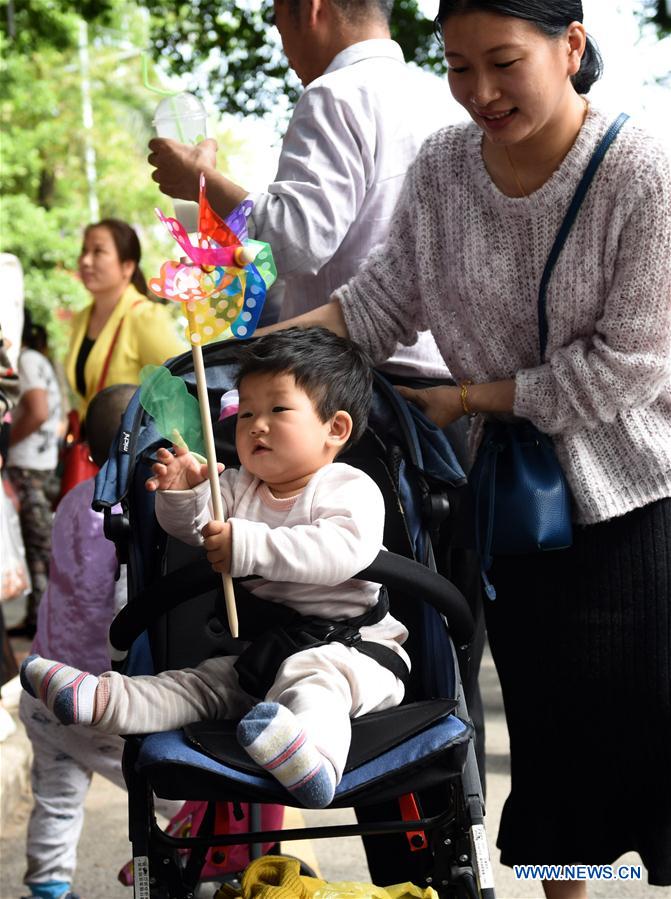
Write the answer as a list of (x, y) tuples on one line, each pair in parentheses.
[(424, 761), (372, 735)]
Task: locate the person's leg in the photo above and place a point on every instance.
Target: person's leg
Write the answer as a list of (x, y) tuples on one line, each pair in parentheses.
[(302, 733), (565, 889), (83, 750), (274, 738), (116, 704), (36, 519), (8, 666), (59, 785)]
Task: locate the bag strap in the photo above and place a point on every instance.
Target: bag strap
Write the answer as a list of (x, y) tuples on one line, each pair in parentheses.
[(488, 477), (569, 218), (108, 358)]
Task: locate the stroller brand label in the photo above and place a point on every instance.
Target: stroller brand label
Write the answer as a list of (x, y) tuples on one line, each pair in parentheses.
[(125, 441), (482, 860), (142, 888)]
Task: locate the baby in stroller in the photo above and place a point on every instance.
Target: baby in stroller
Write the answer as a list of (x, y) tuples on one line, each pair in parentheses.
[(301, 525)]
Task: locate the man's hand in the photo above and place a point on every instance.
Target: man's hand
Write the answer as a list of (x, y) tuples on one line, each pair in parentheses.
[(218, 542), (441, 404), (176, 472), (178, 166)]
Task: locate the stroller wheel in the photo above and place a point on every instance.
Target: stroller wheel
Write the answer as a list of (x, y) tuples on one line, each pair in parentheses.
[(464, 886), (467, 887)]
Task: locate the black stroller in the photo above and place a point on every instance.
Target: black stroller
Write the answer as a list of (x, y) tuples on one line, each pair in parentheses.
[(411, 772)]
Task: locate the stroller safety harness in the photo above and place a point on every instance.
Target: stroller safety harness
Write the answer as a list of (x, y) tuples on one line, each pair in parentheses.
[(258, 664)]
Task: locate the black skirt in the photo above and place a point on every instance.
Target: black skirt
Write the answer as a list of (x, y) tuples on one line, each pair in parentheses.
[(581, 639)]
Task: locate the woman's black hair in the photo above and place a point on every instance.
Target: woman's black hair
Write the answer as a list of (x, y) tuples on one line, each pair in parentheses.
[(128, 248), (334, 371), (552, 17)]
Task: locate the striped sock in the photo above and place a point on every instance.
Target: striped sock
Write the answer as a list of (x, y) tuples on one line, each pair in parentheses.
[(272, 735), (68, 692)]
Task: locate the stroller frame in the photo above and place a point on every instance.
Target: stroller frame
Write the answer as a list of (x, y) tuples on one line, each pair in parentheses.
[(450, 840)]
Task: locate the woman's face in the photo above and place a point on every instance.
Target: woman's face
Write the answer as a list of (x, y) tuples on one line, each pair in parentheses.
[(100, 268), (513, 79)]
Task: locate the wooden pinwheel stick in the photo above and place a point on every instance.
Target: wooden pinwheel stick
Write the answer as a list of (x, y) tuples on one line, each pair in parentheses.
[(212, 473)]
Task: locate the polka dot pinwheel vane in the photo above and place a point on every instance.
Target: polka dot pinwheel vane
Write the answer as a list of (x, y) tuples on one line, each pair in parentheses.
[(224, 280)]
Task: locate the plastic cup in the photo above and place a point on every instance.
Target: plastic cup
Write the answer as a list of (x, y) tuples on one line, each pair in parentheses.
[(182, 118)]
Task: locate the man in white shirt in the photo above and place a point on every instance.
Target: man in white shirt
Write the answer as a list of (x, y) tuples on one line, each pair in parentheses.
[(355, 130)]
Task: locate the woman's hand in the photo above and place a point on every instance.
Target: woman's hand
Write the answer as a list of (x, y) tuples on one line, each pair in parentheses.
[(176, 472), (441, 404), (218, 542), (178, 166)]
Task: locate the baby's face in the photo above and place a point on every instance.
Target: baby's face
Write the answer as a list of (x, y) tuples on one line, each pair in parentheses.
[(279, 435)]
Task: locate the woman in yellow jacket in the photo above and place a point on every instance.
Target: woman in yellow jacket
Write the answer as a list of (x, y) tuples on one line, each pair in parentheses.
[(122, 330)]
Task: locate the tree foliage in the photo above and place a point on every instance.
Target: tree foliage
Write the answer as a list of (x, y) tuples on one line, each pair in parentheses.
[(658, 12), (228, 49), (43, 177), (239, 51)]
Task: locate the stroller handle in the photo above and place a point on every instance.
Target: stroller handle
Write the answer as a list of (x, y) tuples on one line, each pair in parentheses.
[(396, 572), (416, 581)]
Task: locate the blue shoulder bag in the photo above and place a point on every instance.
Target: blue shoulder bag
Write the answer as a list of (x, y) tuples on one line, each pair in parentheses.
[(522, 499)]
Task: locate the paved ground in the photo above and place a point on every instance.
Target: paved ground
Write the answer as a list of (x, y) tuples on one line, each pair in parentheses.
[(104, 847)]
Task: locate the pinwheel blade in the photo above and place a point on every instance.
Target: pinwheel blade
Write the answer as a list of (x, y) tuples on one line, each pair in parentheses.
[(237, 220), (166, 398), (264, 261), (252, 306)]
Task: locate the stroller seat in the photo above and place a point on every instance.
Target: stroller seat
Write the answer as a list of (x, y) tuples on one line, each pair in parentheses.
[(173, 761), (418, 757)]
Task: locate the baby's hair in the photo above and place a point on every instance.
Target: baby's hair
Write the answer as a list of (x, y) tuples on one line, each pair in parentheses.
[(334, 372), (103, 418)]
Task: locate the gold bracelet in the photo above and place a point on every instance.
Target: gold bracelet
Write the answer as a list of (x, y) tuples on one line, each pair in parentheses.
[(463, 395)]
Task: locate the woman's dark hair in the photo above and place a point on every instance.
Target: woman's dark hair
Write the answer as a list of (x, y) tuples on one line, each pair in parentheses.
[(334, 372), (128, 248), (552, 17)]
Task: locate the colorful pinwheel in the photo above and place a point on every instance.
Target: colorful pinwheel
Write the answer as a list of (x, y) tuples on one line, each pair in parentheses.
[(222, 283), (225, 277)]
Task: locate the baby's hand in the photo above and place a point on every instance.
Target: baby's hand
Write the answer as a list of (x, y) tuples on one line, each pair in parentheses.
[(176, 472), (219, 545)]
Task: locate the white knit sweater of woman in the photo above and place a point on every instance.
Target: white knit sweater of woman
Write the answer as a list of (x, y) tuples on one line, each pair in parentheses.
[(465, 260)]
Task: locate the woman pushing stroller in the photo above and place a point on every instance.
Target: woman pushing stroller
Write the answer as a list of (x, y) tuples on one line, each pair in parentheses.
[(303, 525), (581, 634)]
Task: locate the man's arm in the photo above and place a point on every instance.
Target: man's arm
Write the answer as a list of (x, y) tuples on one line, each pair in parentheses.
[(178, 168), (324, 172), (324, 169)]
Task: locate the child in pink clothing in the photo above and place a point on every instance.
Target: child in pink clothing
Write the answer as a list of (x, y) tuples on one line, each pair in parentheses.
[(83, 593), (302, 525)]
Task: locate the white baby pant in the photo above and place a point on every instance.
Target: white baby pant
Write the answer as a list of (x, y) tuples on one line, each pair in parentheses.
[(324, 687)]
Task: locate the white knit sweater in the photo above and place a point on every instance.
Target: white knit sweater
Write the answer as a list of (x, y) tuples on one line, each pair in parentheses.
[(465, 261)]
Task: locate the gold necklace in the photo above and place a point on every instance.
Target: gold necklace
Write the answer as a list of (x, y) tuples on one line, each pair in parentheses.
[(520, 186)]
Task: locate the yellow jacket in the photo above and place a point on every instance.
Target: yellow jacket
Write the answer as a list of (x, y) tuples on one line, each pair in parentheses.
[(147, 337)]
